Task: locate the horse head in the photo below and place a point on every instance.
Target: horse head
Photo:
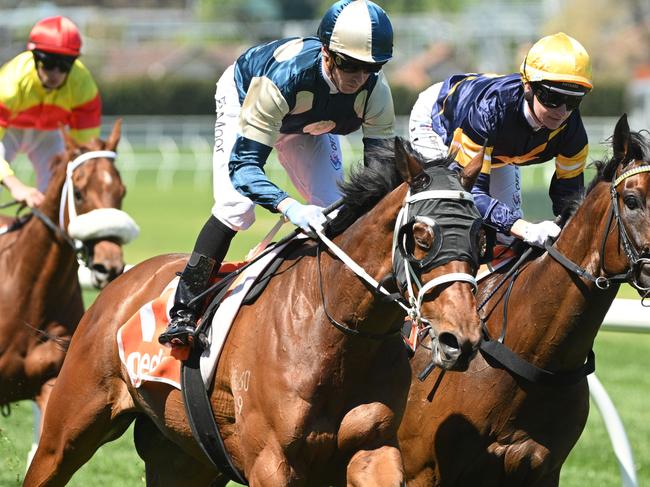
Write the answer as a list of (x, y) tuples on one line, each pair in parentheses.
[(439, 240), (629, 171), (92, 195)]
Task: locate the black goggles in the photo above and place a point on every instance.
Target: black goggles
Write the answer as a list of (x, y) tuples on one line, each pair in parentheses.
[(50, 62), (348, 65), (554, 99)]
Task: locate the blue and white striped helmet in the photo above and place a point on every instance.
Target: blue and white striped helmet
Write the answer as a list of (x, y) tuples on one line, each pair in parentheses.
[(358, 29)]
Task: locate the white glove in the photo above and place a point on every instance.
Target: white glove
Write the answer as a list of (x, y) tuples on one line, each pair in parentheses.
[(305, 216), (537, 233)]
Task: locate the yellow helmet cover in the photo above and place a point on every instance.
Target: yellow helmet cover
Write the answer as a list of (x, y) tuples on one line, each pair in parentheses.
[(557, 57)]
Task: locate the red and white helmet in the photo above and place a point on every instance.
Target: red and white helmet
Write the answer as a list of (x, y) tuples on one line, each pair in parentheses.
[(56, 35)]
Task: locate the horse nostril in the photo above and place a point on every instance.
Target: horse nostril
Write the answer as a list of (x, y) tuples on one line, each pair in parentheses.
[(100, 268), (449, 342)]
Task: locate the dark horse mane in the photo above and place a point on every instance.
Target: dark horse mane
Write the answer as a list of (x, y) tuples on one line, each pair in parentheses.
[(368, 183), (638, 148)]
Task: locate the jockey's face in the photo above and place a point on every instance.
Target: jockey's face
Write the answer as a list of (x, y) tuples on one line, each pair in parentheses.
[(551, 118), (52, 68), (346, 82), (51, 78)]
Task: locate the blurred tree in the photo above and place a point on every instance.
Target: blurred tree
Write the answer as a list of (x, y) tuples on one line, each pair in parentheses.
[(306, 9), (410, 6), (615, 37), (240, 10)]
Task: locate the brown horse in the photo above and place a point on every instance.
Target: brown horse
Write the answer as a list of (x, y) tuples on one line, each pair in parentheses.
[(41, 299), (494, 427), (316, 404)]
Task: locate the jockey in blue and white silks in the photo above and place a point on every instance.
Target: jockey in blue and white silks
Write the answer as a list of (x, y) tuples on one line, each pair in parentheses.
[(525, 118), (296, 96)]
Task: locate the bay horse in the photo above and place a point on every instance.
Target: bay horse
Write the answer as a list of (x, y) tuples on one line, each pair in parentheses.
[(41, 301), (298, 401), (492, 427)]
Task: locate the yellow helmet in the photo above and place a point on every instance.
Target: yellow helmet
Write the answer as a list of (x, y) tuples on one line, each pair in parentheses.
[(560, 58)]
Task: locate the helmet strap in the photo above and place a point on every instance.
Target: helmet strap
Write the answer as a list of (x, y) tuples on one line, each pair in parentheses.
[(529, 97), (329, 65)]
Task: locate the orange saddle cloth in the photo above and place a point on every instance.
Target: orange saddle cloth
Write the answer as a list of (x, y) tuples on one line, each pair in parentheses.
[(502, 255), (144, 358)]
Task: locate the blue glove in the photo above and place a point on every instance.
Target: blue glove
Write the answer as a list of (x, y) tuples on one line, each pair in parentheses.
[(305, 216)]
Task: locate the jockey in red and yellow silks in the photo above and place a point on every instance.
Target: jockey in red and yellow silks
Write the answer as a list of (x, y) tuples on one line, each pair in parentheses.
[(42, 90)]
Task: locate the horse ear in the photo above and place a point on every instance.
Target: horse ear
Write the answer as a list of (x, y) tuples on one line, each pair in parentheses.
[(621, 139), (116, 133), (408, 165), (70, 144), (470, 172)]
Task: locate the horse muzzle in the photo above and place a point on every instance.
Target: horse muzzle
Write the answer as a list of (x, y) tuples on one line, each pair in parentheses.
[(451, 352), (641, 276), (106, 263)]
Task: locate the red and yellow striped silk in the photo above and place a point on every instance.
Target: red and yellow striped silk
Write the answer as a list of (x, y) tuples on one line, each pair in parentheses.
[(26, 104)]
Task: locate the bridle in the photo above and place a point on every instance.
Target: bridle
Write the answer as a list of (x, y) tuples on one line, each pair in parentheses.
[(496, 350), (93, 225), (635, 259), (415, 289)]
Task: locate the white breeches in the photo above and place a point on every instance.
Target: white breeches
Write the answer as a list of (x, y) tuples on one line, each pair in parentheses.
[(40, 146)]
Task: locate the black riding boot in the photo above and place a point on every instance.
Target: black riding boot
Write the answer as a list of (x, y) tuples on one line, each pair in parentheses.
[(194, 280), (213, 240)]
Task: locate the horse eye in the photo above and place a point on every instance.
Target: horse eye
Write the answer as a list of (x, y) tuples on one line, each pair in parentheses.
[(424, 236), (631, 202), (78, 197)]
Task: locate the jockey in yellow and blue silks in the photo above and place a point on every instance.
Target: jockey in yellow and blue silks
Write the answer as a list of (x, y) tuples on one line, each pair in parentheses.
[(296, 96), (41, 90), (525, 118)]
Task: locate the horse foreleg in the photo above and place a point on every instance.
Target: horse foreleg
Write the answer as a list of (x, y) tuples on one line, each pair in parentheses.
[(378, 468), (272, 469), (79, 418), (38, 409), (166, 463)]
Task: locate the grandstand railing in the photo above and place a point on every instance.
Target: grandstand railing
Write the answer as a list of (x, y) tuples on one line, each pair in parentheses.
[(163, 146)]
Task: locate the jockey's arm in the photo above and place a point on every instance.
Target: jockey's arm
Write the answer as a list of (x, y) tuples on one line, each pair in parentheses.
[(379, 118), (568, 179), (248, 177), (261, 117), (494, 212), (19, 191)]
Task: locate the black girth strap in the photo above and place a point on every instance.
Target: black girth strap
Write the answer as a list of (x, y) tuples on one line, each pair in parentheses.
[(201, 419), (509, 360)]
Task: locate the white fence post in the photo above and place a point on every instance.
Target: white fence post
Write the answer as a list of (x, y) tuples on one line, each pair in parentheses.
[(616, 431), (170, 158)]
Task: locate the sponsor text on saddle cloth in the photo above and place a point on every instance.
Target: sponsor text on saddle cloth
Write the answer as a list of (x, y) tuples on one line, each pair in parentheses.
[(146, 360)]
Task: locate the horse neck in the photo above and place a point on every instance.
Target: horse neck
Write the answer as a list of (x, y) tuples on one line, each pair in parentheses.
[(369, 243), (554, 315), (39, 253)]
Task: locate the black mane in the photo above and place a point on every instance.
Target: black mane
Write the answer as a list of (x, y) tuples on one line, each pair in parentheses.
[(638, 149), (367, 184)]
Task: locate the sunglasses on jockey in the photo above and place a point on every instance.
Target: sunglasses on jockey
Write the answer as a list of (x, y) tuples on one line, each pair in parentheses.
[(349, 65), (50, 62), (554, 97)]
